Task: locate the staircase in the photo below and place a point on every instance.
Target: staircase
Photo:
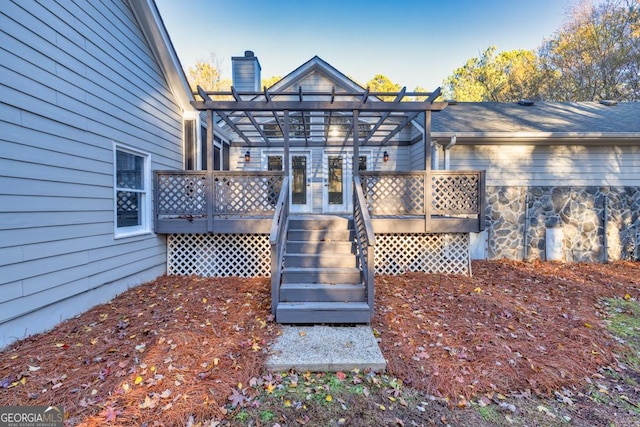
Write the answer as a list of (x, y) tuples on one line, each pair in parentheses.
[(321, 282)]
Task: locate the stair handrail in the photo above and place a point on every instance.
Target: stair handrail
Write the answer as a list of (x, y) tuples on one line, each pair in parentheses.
[(365, 239), (277, 239)]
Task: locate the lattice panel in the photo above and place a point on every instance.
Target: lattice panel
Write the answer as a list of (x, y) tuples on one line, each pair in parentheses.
[(247, 194), (219, 255), (128, 201), (430, 253), (182, 194), (455, 194), (394, 194)]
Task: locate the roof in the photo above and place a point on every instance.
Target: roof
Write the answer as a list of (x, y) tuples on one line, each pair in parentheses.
[(148, 16), (471, 122), (319, 105), (542, 119)]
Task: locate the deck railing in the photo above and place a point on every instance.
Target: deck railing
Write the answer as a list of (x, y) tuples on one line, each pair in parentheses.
[(202, 198), (441, 200), (277, 240), (365, 239)]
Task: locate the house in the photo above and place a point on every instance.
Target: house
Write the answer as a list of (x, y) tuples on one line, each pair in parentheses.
[(562, 179), (320, 184), (519, 180), (112, 173), (92, 99)]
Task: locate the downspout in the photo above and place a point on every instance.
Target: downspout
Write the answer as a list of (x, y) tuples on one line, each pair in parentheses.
[(447, 152)]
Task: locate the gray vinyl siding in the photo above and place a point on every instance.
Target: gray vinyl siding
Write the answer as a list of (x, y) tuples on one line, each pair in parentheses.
[(539, 165), (75, 78)]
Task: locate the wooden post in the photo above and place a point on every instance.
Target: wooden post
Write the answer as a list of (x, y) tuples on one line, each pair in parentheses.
[(356, 144), (285, 130), (427, 169), (210, 187)]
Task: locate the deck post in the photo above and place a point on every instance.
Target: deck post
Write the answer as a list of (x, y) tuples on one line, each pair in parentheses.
[(356, 144), (427, 169), (285, 130), (209, 188)]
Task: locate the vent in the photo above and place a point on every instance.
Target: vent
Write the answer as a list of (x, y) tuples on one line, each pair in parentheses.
[(609, 102), (526, 102)]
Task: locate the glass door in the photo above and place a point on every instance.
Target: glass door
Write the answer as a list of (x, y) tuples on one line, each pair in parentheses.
[(300, 183), (335, 184)]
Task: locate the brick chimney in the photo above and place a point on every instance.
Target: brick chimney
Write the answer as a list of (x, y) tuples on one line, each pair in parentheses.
[(245, 72)]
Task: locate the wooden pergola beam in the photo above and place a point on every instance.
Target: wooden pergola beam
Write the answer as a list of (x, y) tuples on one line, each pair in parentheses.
[(253, 121), (267, 96), (400, 126), (384, 116), (235, 128), (347, 106)]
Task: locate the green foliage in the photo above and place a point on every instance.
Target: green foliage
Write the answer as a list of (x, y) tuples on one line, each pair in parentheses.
[(595, 55), (270, 81), (496, 77), (381, 83)]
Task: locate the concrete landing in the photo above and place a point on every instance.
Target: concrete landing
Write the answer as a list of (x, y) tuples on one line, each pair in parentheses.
[(326, 348)]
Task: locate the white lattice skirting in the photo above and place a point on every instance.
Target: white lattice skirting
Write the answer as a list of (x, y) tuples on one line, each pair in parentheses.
[(248, 255), (430, 253), (219, 255)]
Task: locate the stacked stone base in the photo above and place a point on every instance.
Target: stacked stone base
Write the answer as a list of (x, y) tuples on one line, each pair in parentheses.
[(598, 223)]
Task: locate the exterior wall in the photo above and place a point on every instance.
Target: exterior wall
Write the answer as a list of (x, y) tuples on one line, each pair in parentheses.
[(518, 213), (399, 159), (75, 78), (547, 165), (543, 187)]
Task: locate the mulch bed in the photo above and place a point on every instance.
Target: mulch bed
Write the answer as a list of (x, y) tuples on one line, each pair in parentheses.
[(527, 328), (179, 346)]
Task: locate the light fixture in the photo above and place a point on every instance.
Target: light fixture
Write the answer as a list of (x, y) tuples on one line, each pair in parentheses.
[(247, 156), (385, 156)]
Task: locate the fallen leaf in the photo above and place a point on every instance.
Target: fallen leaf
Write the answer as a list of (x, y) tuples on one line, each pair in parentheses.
[(149, 403)]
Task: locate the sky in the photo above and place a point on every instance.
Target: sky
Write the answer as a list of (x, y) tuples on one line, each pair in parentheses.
[(412, 42)]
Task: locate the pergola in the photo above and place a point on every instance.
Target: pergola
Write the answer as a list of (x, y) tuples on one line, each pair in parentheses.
[(267, 119)]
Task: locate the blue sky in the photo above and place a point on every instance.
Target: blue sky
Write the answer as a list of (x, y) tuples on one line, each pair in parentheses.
[(413, 42)]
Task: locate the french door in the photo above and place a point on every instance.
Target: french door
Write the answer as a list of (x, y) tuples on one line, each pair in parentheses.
[(300, 181), (336, 183)]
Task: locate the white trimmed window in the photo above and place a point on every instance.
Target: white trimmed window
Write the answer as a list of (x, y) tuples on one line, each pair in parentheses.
[(132, 183)]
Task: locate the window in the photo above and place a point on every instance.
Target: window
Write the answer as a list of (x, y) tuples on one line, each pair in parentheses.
[(189, 159), (362, 163), (297, 128), (131, 192), (274, 163)]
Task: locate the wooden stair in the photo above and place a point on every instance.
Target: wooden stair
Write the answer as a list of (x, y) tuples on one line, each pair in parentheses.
[(321, 282)]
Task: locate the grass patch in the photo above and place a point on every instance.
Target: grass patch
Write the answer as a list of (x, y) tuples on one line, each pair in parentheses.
[(624, 323), (489, 413)]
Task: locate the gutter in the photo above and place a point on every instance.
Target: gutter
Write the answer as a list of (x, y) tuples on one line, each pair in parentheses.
[(542, 138)]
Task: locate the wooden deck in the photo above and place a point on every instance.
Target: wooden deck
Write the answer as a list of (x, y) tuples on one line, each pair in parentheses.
[(195, 202), (322, 268)]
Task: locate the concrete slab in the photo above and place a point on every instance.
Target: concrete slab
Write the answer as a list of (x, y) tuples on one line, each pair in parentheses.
[(326, 349)]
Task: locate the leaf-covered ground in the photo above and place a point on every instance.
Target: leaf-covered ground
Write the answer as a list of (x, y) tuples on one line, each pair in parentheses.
[(516, 344)]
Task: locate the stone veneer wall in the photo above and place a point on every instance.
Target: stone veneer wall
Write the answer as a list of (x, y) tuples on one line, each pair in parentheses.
[(578, 210)]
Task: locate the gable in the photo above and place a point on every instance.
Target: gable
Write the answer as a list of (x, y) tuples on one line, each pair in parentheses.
[(316, 75)]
